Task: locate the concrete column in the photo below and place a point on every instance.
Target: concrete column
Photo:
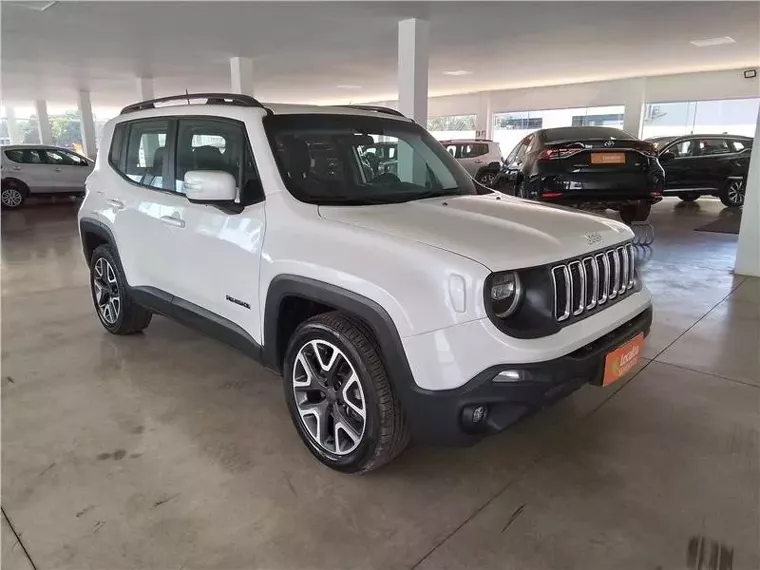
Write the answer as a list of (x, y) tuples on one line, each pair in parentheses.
[(87, 124), (241, 75), (413, 55), (748, 248), (145, 89), (13, 131), (43, 122), (634, 107), (484, 117)]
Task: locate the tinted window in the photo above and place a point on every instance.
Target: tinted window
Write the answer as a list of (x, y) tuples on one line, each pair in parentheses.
[(584, 133), (216, 144), (739, 145), (680, 149), (708, 147), (472, 150), (24, 156), (142, 158)]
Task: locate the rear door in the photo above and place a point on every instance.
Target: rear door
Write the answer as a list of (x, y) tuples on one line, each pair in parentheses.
[(472, 156), (711, 165), (28, 166)]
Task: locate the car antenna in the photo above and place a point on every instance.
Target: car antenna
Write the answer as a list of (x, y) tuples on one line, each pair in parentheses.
[(188, 96)]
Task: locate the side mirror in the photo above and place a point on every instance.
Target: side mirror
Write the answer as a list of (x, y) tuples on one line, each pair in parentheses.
[(666, 156), (210, 186)]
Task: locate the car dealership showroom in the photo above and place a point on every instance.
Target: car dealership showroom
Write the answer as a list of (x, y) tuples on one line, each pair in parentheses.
[(352, 285)]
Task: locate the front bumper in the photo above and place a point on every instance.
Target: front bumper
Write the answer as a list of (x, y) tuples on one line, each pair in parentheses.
[(437, 416)]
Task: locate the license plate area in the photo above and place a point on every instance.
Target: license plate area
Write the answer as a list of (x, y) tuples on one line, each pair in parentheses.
[(622, 360), (607, 158)]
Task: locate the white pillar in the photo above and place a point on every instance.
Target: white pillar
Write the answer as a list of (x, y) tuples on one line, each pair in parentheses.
[(145, 89), (748, 248), (635, 102), (413, 55), (43, 122), (88, 124), (484, 117), (241, 75), (13, 131)]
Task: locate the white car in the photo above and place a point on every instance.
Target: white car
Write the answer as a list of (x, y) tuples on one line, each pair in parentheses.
[(481, 158), (38, 170), (394, 305)]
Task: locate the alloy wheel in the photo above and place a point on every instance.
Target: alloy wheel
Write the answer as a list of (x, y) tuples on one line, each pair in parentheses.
[(12, 197), (106, 289), (735, 192), (487, 179), (329, 397)]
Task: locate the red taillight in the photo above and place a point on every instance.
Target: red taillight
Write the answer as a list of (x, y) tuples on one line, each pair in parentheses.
[(550, 195), (555, 153)]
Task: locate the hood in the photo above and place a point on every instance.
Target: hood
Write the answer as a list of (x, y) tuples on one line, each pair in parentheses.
[(498, 231)]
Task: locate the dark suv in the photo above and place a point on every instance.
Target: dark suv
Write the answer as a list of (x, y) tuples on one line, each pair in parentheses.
[(588, 167), (698, 165)]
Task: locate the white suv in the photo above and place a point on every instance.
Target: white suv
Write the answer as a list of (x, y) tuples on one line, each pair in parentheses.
[(394, 305), (481, 158)]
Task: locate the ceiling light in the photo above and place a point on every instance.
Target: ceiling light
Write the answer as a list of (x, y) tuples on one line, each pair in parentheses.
[(713, 42), (348, 86), (457, 72)]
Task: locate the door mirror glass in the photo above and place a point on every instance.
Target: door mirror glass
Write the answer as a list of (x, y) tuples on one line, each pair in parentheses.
[(210, 186), (666, 156)]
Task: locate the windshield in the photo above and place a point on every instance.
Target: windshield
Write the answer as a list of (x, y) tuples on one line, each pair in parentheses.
[(356, 160)]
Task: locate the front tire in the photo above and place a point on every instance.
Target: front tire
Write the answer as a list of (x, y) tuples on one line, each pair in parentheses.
[(638, 212), (117, 311), (339, 396), (732, 194), (486, 178), (688, 196), (13, 194)]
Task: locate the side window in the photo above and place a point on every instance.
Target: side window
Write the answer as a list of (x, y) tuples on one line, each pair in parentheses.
[(141, 159), (513, 155), (709, 147), (524, 145), (453, 150), (60, 158), (15, 155), (738, 146), (217, 144), (680, 149), (473, 150)]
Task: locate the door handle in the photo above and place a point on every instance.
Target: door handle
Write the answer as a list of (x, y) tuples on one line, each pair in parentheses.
[(173, 221), (116, 204), (57, 169), (16, 168), (478, 161)]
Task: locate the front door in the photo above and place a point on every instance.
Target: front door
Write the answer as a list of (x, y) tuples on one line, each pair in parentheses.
[(68, 171), (215, 253), (678, 169), (28, 165)]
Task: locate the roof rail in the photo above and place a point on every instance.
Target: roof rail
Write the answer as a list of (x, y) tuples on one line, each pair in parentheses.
[(376, 108), (211, 99)]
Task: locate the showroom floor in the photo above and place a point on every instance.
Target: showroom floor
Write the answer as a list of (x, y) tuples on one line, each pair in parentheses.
[(171, 451)]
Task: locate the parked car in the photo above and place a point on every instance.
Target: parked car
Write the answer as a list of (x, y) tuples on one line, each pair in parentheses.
[(401, 305), (698, 165), (587, 167), (481, 158), (32, 170)]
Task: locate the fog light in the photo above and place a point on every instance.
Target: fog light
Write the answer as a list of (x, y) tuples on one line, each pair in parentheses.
[(509, 376), (474, 417)]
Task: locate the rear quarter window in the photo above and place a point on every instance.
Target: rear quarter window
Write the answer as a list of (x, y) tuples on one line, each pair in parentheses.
[(14, 156)]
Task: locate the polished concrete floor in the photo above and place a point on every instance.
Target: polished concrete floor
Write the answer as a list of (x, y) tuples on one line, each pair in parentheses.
[(169, 451)]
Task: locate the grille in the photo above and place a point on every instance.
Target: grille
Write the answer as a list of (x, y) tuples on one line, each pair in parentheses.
[(583, 284)]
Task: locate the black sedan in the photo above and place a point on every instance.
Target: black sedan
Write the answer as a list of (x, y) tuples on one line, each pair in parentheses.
[(698, 165), (587, 167)]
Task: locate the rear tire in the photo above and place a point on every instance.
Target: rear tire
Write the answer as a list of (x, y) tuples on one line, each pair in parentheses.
[(732, 193), (334, 376), (688, 196), (116, 309), (638, 212), (14, 193)]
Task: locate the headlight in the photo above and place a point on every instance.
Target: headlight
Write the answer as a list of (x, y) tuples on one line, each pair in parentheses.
[(506, 293)]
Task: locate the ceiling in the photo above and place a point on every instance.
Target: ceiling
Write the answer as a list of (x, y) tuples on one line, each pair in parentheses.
[(302, 51)]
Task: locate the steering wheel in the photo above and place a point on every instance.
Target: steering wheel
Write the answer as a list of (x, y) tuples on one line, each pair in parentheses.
[(385, 178)]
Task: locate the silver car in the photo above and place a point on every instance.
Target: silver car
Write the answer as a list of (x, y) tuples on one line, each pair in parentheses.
[(481, 158), (31, 170)]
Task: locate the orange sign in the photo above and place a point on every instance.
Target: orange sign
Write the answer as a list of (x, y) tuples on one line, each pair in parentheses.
[(607, 158), (623, 359)]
